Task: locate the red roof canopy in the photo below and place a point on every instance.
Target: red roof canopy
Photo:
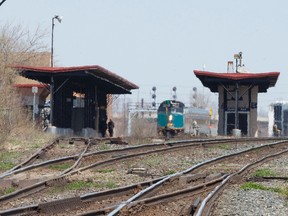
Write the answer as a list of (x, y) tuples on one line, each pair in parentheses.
[(91, 72), (213, 79), (40, 85)]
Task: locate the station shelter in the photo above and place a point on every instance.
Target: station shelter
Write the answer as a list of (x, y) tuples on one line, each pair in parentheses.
[(238, 98), (78, 96)]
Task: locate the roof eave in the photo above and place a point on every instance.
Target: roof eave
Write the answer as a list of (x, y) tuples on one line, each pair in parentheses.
[(212, 80)]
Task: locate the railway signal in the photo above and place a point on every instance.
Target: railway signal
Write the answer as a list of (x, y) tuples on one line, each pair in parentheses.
[(154, 96), (174, 93)]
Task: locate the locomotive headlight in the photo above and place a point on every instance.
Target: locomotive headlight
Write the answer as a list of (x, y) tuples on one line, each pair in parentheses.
[(170, 117)]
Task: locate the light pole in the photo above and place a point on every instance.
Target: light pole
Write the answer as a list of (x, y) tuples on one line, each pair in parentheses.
[(237, 57), (59, 18)]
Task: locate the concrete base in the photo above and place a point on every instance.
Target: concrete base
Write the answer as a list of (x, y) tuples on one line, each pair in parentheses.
[(236, 132), (85, 132)]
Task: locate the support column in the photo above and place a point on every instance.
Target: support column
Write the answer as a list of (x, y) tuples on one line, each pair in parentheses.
[(236, 106), (51, 100)]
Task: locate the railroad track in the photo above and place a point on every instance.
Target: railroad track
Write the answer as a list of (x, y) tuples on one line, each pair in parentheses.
[(90, 159), (172, 183), (123, 192)]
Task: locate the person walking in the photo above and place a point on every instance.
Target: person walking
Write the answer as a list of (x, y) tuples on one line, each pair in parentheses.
[(195, 128), (111, 126)]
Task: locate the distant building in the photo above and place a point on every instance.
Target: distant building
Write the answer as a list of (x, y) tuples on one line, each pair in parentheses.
[(25, 85)]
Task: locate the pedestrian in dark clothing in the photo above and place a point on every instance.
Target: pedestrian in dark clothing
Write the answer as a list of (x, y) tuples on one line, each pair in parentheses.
[(111, 127)]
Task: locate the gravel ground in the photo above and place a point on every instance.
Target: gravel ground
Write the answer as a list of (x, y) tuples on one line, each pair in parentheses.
[(236, 201)]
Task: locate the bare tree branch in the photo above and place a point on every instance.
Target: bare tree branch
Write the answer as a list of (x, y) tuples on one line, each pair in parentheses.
[(17, 46)]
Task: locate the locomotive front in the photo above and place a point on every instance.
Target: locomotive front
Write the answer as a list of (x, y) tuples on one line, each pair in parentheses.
[(170, 117)]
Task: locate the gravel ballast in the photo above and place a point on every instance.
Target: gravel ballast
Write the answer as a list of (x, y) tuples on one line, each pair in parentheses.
[(255, 202)]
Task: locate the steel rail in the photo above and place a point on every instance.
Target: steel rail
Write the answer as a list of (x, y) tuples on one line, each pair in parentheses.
[(198, 142), (85, 198), (90, 196), (57, 160), (171, 148), (205, 206), (41, 185), (78, 160), (164, 197), (193, 168), (34, 156)]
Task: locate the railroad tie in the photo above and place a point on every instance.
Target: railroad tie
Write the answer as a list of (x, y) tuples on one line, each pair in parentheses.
[(60, 205), (192, 208)]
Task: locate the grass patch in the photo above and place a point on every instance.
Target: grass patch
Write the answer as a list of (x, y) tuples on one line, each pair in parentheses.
[(187, 162), (285, 191), (104, 147), (36, 145), (110, 185), (223, 146), (7, 160), (253, 185), (106, 171), (62, 145), (59, 167), (263, 173), (80, 185), (19, 138), (4, 156), (6, 166), (169, 172), (153, 161), (7, 191), (257, 186)]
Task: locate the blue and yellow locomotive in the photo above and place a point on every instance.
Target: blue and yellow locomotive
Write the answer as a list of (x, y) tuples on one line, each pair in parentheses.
[(170, 116)]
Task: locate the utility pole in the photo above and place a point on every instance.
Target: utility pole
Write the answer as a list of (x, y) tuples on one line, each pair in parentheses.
[(237, 57)]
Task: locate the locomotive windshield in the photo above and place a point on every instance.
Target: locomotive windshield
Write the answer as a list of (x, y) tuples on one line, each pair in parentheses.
[(173, 106)]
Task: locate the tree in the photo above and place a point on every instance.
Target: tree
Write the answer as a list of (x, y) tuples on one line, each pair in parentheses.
[(17, 47)]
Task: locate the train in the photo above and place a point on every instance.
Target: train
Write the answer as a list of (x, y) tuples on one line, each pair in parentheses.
[(174, 118), (170, 118)]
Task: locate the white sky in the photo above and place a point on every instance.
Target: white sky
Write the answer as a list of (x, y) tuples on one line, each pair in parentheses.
[(160, 42)]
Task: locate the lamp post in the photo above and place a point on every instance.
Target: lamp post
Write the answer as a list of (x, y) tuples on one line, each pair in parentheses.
[(59, 18), (237, 57)]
